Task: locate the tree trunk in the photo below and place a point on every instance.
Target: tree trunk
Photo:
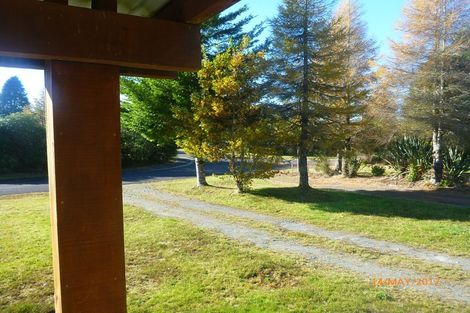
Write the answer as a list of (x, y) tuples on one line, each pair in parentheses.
[(345, 166), (200, 173), (437, 156), (346, 171), (240, 186), (303, 168), (304, 113), (339, 163)]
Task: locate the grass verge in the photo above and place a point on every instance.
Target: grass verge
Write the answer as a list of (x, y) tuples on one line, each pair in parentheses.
[(175, 267)]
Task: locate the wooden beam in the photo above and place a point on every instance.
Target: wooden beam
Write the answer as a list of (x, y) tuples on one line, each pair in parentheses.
[(21, 63), (148, 73), (83, 141), (106, 5), (58, 1), (46, 31), (40, 65), (193, 11)]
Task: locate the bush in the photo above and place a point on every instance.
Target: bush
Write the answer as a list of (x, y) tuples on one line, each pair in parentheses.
[(138, 151), (410, 156), (456, 163), (22, 143), (355, 164), (322, 165), (377, 171)]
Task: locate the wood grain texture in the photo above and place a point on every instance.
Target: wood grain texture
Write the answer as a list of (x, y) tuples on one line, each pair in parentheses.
[(193, 11), (83, 134), (57, 1), (47, 31)]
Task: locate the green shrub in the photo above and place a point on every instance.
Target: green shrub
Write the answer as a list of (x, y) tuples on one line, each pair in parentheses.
[(138, 151), (410, 156), (22, 143), (456, 163), (322, 165), (377, 171), (355, 164)]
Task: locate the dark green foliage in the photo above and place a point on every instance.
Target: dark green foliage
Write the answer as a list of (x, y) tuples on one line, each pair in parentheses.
[(377, 171), (411, 156), (147, 110), (138, 151), (22, 143), (301, 41), (13, 97), (456, 164), (223, 29)]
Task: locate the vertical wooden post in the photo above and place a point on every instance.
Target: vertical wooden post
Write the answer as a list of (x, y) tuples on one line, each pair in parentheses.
[(85, 187)]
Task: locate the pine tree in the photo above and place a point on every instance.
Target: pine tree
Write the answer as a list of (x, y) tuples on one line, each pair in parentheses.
[(380, 117), (301, 45), (223, 29), (458, 94), (13, 97), (432, 35), (352, 60)]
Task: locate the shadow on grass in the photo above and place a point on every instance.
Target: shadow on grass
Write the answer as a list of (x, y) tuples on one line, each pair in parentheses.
[(378, 205)]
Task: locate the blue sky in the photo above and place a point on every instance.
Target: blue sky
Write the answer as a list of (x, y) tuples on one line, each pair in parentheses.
[(381, 16)]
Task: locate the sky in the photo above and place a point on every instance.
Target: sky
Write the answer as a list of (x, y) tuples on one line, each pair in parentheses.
[(380, 15)]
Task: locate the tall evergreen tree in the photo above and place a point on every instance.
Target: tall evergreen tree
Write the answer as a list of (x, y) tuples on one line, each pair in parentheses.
[(432, 37), (13, 97), (301, 46), (353, 59)]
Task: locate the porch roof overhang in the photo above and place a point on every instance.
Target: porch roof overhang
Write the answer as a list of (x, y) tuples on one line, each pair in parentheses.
[(152, 38)]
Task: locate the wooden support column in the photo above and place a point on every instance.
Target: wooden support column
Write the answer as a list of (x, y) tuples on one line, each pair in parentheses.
[(85, 187)]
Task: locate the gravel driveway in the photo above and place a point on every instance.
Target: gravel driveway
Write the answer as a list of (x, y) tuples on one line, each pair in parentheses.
[(217, 218)]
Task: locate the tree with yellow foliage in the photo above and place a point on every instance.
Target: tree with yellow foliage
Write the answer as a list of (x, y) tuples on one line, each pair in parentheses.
[(432, 36), (352, 75), (228, 117)]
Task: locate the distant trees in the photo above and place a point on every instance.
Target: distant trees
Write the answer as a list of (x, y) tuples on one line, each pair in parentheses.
[(13, 97), (435, 36), (22, 143), (381, 121), (22, 134), (146, 113)]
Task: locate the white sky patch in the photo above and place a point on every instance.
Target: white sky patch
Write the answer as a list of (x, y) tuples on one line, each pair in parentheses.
[(32, 80)]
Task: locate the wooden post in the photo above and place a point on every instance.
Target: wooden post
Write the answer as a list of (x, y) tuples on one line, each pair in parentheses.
[(85, 187)]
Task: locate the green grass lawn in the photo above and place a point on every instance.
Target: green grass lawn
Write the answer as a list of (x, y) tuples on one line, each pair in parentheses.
[(175, 267), (436, 227)]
